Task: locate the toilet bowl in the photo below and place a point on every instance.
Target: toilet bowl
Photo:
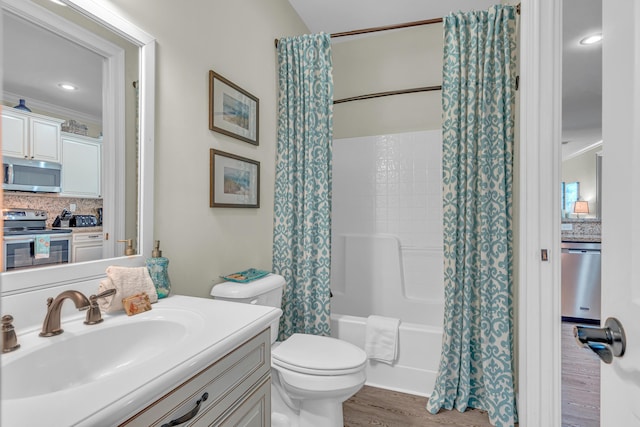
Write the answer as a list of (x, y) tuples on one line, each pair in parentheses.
[(310, 375)]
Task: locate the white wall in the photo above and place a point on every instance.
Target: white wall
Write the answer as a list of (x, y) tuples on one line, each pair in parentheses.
[(386, 61), (235, 39)]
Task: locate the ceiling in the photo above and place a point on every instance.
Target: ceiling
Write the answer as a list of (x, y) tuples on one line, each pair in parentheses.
[(25, 46)]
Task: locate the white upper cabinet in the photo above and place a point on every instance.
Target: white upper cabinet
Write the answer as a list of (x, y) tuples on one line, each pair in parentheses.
[(81, 166), (30, 136)]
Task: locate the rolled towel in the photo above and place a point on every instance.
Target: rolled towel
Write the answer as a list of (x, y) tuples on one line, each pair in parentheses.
[(127, 281), (381, 339)]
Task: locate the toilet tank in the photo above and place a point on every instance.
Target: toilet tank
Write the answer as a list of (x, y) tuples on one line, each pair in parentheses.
[(266, 291)]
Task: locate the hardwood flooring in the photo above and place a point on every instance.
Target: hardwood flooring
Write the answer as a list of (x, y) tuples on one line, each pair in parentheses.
[(580, 398), (378, 407), (580, 383)]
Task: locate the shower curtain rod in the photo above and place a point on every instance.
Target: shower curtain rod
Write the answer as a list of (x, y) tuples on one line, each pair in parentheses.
[(389, 93), (391, 27), (386, 28)]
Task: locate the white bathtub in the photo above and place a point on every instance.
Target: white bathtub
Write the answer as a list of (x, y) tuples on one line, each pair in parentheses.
[(415, 369)]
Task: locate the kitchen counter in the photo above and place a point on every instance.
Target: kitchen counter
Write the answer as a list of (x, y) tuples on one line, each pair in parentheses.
[(112, 394), (80, 229), (97, 229), (581, 238)]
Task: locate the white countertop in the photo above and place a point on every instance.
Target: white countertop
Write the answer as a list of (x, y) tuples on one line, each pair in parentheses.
[(219, 327)]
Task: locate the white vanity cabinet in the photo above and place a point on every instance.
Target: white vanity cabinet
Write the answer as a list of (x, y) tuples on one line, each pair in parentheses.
[(30, 136), (235, 390), (81, 166), (86, 246)]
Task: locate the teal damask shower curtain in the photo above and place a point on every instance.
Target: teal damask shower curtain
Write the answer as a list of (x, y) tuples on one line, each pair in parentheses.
[(302, 211), (478, 93)]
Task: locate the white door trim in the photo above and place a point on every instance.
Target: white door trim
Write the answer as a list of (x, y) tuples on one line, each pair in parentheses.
[(538, 310)]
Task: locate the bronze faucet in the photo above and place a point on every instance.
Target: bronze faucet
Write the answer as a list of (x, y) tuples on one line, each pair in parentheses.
[(93, 315), (9, 338), (51, 325)]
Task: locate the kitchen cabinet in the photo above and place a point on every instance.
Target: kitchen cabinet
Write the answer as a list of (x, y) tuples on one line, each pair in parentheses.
[(86, 246), (30, 136), (81, 166), (235, 390)]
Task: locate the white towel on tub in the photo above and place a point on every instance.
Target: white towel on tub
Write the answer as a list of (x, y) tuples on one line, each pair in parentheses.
[(381, 338)]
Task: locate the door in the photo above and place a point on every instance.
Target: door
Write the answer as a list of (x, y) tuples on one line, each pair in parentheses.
[(620, 383)]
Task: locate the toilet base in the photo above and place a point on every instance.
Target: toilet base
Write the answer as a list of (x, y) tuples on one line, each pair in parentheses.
[(312, 413)]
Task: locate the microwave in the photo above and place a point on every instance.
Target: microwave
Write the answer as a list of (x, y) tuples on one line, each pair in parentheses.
[(31, 175)]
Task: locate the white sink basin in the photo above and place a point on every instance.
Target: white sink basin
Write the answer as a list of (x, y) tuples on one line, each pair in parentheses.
[(77, 359), (103, 374)]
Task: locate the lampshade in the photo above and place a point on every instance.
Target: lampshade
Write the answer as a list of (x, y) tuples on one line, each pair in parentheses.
[(581, 207)]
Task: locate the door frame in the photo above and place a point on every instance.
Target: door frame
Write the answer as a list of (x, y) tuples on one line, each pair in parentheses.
[(538, 312)]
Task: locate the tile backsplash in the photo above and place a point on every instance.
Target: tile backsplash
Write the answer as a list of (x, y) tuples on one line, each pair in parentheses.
[(53, 204)]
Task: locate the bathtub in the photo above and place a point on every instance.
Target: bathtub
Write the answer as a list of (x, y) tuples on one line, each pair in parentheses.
[(415, 369), (375, 274)]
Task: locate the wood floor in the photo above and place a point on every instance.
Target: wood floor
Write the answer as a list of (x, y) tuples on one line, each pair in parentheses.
[(580, 383), (378, 407), (580, 398)]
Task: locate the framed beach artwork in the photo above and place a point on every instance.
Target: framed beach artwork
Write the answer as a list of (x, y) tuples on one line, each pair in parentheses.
[(232, 110), (234, 181)]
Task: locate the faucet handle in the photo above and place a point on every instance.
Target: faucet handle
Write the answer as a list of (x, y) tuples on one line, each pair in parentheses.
[(9, 338), (94, 315)]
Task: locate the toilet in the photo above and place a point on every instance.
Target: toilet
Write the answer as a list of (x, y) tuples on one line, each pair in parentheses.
[(310, 375)]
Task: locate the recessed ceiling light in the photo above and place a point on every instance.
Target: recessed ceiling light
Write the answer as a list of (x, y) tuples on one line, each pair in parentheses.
[(593, 38), (58, 2), (67, 86)]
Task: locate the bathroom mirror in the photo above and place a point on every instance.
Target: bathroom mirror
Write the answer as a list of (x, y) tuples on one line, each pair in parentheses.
[(136, 215)]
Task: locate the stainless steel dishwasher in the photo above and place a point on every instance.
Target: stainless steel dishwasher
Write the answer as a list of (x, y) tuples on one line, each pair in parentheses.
[(581, 275)]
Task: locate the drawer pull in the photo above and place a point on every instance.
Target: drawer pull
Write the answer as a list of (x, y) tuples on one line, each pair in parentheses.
[(186, 417)]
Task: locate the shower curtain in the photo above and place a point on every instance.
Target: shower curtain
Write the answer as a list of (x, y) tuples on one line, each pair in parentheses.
[(478, 93), (302, 205)]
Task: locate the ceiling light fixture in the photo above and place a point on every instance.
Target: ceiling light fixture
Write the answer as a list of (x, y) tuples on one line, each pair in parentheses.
[(58, 2), (593, 38), (67, 86)]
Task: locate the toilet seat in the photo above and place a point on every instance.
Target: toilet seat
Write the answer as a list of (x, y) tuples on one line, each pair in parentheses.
[(318, 355)]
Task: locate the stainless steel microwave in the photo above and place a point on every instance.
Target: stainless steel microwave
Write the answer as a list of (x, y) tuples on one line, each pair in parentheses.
[(31, 175)]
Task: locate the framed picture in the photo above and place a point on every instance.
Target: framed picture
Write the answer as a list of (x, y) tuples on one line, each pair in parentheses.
[(232, 111), (234, 181)]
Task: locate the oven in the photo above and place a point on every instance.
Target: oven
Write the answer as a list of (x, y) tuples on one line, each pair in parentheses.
[(19, 251), (24, 233)]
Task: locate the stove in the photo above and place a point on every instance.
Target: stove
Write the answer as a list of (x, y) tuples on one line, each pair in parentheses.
[(28, 242), (27, 221)]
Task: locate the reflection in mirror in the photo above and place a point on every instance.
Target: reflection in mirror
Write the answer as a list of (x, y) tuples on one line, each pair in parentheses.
[(582, 168), (108, 55), (70, 49)]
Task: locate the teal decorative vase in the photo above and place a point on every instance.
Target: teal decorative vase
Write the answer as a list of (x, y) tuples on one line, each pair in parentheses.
[(158, 270)]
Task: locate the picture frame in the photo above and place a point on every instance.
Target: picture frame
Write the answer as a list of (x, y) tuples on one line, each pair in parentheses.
[(232, 110), (234, 181)]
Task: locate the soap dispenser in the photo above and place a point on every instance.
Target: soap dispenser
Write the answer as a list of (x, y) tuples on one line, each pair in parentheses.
[(128, 250), (158, 270)]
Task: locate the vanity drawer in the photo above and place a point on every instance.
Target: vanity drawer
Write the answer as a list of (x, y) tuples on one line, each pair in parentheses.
[(225, 382), (255, 410)]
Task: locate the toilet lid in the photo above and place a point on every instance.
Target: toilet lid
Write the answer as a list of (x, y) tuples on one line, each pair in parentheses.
[(317, 355)]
